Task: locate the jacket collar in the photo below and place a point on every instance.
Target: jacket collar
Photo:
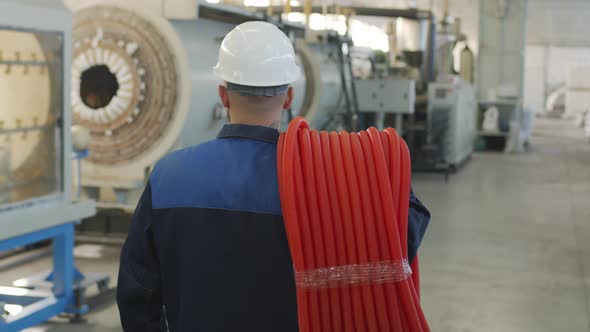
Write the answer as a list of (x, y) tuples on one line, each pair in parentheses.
[(258, 133)]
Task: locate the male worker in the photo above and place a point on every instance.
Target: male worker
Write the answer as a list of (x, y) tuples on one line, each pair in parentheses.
[(207, 249)]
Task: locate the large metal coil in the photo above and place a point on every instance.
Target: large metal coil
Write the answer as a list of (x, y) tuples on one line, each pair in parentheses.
[(136, 54)]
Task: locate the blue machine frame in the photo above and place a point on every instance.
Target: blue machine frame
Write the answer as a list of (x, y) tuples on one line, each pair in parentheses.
[(46, 218), (39, 306), (50, 293)]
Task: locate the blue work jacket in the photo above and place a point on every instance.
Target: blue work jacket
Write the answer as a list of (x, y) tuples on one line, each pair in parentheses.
[(207, 249)]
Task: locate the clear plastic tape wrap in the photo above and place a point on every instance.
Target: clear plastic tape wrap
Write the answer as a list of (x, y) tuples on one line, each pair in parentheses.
[(354, 275)]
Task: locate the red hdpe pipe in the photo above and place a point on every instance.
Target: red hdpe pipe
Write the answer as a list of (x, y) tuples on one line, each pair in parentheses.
[(345, 204)]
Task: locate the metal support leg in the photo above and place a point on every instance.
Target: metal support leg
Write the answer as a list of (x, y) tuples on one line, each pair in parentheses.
[(65, 274), (79, 179), (39, 305), (63, 262), (380, 120), (399, 123)]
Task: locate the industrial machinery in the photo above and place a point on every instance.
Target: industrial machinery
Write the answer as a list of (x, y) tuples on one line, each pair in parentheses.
[(387, 96), (441, 130), (398, 91), (35, 158), (451, 111), (441, 135), (142, 83), (420, 54)]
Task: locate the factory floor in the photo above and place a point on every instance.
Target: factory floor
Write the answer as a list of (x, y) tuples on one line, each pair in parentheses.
[(508, 248)]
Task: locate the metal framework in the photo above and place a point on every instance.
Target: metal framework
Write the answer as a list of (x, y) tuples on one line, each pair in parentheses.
[(40, 305), (41, 216)]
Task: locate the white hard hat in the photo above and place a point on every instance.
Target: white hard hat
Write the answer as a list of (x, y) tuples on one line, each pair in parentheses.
[(257, 54)]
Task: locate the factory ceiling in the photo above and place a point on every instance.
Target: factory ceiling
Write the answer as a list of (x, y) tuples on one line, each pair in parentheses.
[(550, 22)]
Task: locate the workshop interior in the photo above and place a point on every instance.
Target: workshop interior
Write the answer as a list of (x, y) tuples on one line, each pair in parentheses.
[(491, 99)]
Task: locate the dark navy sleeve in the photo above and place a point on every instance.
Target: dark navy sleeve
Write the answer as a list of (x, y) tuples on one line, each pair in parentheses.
[(138, 288), (418, 219)]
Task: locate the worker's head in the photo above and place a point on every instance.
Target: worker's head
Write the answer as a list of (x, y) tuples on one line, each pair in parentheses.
[(257, 64), (255, 105)]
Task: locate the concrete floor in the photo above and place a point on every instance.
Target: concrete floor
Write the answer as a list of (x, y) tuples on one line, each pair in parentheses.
[(103, 316), (508, 248)]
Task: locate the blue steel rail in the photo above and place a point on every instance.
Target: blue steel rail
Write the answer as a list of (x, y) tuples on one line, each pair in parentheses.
[(39, 305)]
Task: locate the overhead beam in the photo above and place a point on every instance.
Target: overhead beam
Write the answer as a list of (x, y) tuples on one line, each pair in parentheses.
[(410, 13)]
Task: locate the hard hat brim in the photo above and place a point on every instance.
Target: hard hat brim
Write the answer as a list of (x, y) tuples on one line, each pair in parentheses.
[(289, 76)]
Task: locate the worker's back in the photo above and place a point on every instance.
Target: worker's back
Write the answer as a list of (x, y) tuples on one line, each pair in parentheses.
[(218, 236), (207, 244)]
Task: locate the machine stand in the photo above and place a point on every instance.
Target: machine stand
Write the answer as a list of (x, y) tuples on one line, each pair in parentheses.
[(61, 291), (81, 283)]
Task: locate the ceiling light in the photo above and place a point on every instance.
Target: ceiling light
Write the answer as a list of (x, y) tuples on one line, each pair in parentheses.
[(213, 1), (296, 17), (256, 3)]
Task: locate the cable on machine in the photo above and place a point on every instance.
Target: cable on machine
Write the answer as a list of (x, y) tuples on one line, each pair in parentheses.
[(345, 204)]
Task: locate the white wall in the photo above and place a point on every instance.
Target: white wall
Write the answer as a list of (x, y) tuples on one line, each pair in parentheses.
[(558, 22), (561, 59), (534, 78), (548, 67)]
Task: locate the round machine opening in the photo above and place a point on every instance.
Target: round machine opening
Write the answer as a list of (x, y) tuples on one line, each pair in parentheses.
[(98, 86)]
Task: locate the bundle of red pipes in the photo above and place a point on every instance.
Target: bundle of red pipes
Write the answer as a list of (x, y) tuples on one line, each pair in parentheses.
[(345, 204)]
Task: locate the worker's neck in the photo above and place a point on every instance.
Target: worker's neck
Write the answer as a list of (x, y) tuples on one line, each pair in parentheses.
[(271, 121)]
